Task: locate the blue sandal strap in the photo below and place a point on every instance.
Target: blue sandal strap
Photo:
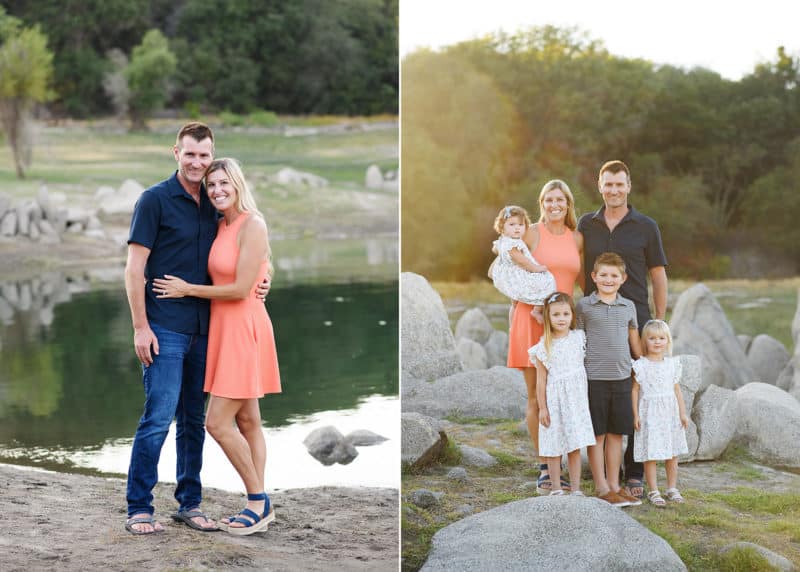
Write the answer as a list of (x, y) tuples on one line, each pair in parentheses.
[(257, 496)]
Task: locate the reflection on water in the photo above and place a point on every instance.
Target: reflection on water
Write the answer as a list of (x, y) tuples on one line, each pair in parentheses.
[(70, 381)]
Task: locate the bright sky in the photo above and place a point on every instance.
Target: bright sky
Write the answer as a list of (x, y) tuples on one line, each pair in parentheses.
[(727, 37)]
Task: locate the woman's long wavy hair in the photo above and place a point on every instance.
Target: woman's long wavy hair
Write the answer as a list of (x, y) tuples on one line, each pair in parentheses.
[(245, 202)]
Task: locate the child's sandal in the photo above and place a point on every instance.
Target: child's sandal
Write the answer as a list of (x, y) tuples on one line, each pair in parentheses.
[(675, 496), (655, 499)]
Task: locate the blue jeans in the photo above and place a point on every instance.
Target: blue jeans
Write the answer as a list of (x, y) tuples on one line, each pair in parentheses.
[(173, 387)]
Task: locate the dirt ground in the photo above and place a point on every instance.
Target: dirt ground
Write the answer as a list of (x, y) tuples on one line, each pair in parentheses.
[(69, 522)]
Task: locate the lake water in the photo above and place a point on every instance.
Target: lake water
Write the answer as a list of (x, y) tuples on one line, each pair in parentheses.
[(70, 384)]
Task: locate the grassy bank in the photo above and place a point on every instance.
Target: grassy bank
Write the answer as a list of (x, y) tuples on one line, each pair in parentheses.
[(729, 500), (752, 306), (79, 157)]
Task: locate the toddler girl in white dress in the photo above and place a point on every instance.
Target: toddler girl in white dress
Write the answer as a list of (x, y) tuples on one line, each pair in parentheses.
[(659, 413), (565, 425), (515, 272)]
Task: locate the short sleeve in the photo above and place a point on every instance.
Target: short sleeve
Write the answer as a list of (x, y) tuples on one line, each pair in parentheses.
[(638, 369), (538, 351), (579, 318), (677, 370), (633, 323), (145, 220), (654, 251), (581, 340)]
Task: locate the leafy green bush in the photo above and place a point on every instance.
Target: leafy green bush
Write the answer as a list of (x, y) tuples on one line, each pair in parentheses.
[(231, 119), (263, 118)]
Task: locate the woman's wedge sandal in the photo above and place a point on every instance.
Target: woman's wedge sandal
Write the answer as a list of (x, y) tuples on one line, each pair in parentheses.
[(675, 496), (655, 499), (252, 522)]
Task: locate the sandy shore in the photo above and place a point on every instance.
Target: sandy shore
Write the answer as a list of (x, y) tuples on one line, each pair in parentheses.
[(69, 522)]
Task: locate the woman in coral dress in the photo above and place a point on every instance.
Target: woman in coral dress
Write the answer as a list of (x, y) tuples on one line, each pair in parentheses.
[(241, 363), (556, 244)]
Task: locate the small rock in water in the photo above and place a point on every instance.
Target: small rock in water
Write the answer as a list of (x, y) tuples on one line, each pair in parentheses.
[(364, 438)]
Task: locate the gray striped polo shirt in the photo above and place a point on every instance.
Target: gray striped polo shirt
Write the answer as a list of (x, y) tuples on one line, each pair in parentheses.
[(608, 351)]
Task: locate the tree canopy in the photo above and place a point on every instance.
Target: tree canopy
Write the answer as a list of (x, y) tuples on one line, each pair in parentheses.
[(287, 56), (712, 159)]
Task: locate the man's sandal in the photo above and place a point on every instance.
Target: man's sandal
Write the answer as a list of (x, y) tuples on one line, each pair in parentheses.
[(632, 484), (142, 520), (655, 499), (186, 516), (675, 496), (252, 522)]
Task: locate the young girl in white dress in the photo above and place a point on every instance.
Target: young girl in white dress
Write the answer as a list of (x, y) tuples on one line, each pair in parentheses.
[(515, 272), (659, 413), (565, 425)]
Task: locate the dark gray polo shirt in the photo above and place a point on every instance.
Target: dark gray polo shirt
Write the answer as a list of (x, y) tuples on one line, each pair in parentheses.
[(636, 239), (608, 351)]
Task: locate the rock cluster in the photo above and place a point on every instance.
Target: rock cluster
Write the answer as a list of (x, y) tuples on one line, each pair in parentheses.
[(49, 216)]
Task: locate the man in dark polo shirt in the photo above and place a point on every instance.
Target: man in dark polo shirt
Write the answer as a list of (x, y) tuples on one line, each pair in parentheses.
[(172, 229), (618, 227)]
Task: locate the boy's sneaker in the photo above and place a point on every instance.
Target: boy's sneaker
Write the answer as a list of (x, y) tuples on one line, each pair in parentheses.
[(614, 499), (633, 501)]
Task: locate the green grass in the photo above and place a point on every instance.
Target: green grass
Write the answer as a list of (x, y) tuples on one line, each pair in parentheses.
[(83, 156), (462, 420), (506, 459), (503, 497)]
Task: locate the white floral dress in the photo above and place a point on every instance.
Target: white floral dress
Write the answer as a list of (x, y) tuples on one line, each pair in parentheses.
[(567, 396), (516, 282), (661, 435)]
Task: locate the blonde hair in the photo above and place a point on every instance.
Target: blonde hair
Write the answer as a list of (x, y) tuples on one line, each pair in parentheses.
[(657, 327), (571, 220), (556, 298), (245, 202), (508, 212)]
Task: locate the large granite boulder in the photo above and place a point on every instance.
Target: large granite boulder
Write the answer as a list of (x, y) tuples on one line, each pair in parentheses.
[(499, 393), (474, 325), (496, 349), (550, 533), (473, 356), (767, 357), (715, 416), (699, 327), (421, 440), (768, 423), (428, 348)]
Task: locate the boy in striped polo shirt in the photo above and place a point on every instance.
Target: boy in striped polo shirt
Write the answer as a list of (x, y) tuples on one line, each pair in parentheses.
[(612, 335)]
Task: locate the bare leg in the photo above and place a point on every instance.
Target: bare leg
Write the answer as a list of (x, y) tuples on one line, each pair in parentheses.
[(574, 464), (532, 410), (596, 464), (672, 473), (613, 460), (554, 466), (249, 422), (650, 475), (219, 424)]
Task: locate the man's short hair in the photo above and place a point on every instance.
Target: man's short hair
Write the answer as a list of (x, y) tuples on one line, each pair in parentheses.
[(609, 259), (197, 131), (614, 167)]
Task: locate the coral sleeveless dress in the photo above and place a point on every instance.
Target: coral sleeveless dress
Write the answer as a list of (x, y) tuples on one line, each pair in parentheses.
[(560, 254), (241, 362)]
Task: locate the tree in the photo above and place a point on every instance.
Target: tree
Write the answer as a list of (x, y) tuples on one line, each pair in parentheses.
[(148, 73), (26, 69)]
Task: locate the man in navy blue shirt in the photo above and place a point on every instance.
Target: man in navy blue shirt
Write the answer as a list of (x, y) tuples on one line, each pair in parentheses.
[(618, 227), (172, 229)]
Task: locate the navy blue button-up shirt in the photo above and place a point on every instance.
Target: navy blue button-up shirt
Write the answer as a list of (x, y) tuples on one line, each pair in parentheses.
[(637, 240), (179, 233)]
